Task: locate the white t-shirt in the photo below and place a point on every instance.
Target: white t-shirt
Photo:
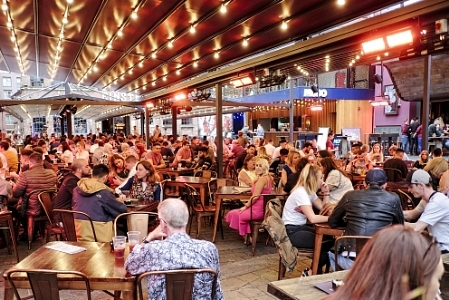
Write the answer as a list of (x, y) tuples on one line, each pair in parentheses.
[(270, 149), (436, 215), (297, 198), (342, 184)]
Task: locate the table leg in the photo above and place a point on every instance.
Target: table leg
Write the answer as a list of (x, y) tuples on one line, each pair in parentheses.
[(13, 237), (129, 295), (203, 196), (8, 291), (217, 216), (316, 252)]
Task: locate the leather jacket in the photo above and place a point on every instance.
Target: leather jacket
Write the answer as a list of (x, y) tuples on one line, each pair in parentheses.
[(364, 212)]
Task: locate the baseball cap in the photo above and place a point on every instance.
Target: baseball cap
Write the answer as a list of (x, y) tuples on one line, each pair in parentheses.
[(376, 176), (418, 176)]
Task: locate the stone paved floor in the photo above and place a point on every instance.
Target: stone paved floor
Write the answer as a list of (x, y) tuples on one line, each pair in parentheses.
[(243, 276)]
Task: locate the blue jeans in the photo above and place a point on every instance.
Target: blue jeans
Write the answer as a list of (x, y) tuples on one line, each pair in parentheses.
[(344, 262), (419, 145), (404, 140)]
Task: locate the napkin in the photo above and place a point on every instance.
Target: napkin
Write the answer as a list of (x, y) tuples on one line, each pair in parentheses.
[(66, 248)]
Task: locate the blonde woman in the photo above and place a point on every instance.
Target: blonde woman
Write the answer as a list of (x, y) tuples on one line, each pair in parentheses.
[(81, 151), (247, 174), (290, 166), (436, 167), (376, 156), (239, 219), (422, 161), (298, 210), (262, 153)]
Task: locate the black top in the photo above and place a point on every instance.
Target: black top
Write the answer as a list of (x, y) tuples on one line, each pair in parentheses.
[(64, 198)]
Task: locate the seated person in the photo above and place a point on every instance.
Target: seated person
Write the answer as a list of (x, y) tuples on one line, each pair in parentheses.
[(397, 162), (379, 274), (247, 175), (155, 157), (306, 150), (292, 179), (360, 164), (118, 172), (204, 162), (183, 155), (144, 184), (94, 198), (290, 165), (279, 161), (337, 180), (364, 212), (436, 168), (422, 161), (376, 156), (166, 150), (239, 162), (170, 240)]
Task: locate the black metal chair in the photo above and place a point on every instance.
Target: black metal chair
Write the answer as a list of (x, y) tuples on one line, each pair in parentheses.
[(68, 222), (349, 243)]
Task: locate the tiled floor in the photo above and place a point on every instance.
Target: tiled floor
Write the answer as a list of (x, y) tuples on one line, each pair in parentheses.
[(243, 276)]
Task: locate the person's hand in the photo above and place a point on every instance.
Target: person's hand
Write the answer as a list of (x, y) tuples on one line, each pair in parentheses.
[(241, 209), (156, 234), (324, 188), (122, 198), (327, 209)]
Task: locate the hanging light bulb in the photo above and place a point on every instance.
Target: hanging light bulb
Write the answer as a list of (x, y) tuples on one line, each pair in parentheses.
[(120, 33), (134, 15), (64, 20), (223, 9), (245, 42), (4, 6), (216, 54), (341, 2), (170, 44), (192, 29), (284, 25)]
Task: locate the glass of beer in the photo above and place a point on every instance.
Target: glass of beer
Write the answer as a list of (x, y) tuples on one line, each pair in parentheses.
[(134, 238), (119, 247)]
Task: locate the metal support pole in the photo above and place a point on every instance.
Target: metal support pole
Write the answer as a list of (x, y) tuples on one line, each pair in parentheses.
[(147, 127), (69, 125), (425, 112), (219, 126), (291, 106), (174, 122)]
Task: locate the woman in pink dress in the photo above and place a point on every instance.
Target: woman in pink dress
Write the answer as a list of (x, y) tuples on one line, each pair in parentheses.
[(239, 219)]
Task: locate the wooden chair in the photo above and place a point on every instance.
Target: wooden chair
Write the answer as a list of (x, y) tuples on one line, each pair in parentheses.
[(302, 252), (45, 199), (393, 175), (137, 221), (257, 224), (42, 218), (178, 283), (205, 174), (44, 283), (68, 222), (351, 243), (6, 216), (198, 210)]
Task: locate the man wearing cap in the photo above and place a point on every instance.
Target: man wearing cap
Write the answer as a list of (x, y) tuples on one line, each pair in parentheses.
[(364, 212), (433, 210)]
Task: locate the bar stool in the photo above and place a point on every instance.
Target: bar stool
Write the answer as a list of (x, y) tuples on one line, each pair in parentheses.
[(6, 216)]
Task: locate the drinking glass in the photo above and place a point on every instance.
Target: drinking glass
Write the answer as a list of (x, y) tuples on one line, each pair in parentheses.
[(134, 238), (119, 247)]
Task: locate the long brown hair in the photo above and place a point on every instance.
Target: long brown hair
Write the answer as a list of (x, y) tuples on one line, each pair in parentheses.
[(328, 165), (392, 253), (152, 177)]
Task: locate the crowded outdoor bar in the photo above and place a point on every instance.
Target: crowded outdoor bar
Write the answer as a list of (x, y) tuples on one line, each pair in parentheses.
[(224, 149)]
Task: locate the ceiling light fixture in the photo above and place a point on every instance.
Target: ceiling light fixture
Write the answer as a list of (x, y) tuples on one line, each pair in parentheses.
[(153, 55), (284, 25), (195, 64), (170, 44), (153, 83), (223, 8), (245, 42), (164, 78), (243, 80), (178, 72), (216, 54), (192, 28), (134, 15), (341, 2)]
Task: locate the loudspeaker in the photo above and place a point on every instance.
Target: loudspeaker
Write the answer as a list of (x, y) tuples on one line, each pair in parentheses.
[(377, 78), (314, 89)]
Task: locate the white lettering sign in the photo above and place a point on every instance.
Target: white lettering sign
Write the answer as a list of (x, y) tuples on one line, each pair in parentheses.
[(116, 96), (309, 93)]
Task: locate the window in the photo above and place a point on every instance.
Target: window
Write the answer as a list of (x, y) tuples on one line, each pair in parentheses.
[(19, 82), (7, 94), (166, 122), (38, 125), (7, 81), (80, 125), (186, 121), (57, 125), (10, 120)]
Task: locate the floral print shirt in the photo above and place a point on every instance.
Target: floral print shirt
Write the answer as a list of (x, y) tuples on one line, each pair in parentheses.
[(178, 251)]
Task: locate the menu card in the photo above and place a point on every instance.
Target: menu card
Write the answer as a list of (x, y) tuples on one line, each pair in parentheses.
[(66, 248)]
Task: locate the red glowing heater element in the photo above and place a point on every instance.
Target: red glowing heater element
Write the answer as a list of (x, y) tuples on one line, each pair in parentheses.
[(400, 38), (374, 45), (243, 80), (180, 97)]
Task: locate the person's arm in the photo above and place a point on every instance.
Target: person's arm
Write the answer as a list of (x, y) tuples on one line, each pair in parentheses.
[(126, 185), (283, 177), (111, 205), (416, 212), (336, 218), (243, 177), (311, 216), (260, 184), (418, 226), (444, 183)]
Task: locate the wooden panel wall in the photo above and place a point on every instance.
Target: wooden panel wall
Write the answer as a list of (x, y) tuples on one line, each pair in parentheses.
[(325, 118), (357, 113)]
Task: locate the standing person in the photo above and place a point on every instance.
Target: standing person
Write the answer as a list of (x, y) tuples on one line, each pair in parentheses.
[(156, 133), (419, 137), (169, 247), (432, 210), (94, 198), (298, 211), (260, 131), (364, 212), (394, 274), (329, 144), (414, 136), (405, 135), (80, 168), (239, 219)]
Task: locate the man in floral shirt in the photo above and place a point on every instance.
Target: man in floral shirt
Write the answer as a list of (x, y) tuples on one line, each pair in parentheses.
[(175, 251)]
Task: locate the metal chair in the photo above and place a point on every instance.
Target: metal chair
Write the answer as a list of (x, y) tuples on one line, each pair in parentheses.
[(44, 283), (178, 283), (45, 199), (198, 210), (350, 243), (205, 174), (257, 224), (136, 221), (6, 216), (68, 221), (393, 175)]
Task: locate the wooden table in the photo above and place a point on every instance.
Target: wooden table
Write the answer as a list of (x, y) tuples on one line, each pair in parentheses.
[(177, 172), (97, 263), (199, 183), (228, 192), (303, 287), (142, 206), (320, 230)]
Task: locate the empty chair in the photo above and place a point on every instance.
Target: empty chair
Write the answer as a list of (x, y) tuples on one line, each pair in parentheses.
[(136, 221), (68, 222), (179, 283), (44, 283), (347, 244), (46, 201), (6, 216)]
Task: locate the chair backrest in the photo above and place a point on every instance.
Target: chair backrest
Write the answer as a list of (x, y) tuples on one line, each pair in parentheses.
[(394, 175), (178, 283), (68, 221), (137, 221), (226, 182), (44, 283), (46, 200), (162, 185), (266, 198), (192, 198), (351, 243)]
